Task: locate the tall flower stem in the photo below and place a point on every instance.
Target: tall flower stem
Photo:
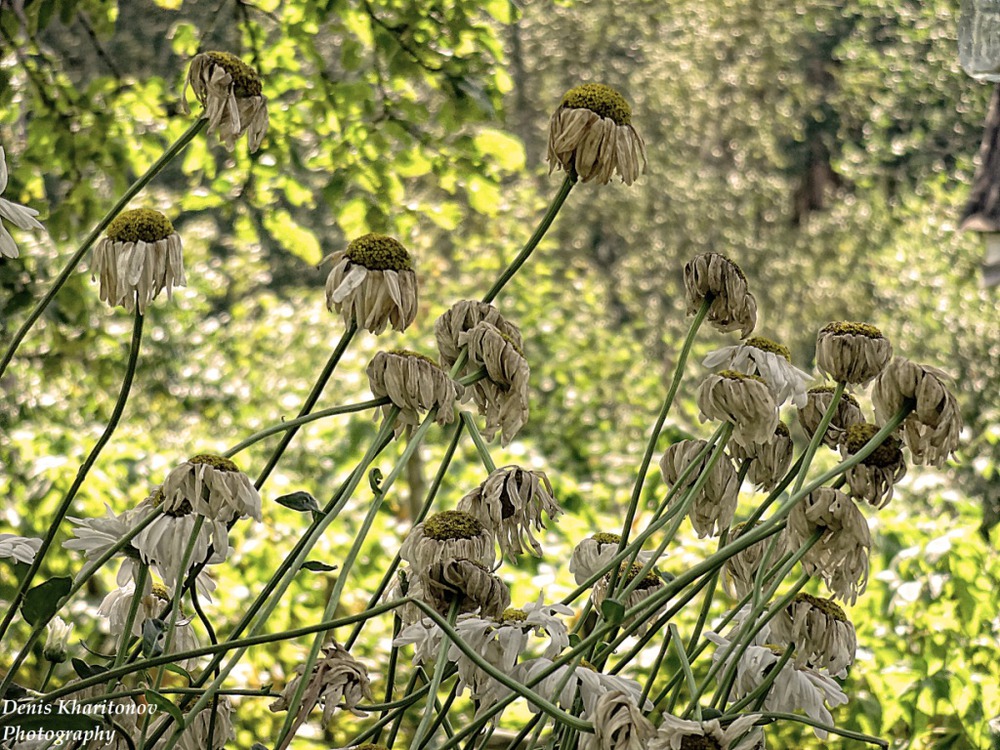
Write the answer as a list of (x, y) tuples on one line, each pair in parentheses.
[(186, 137), (421, 735), (81, 476), (817, 437), (133, 609), (309, 403)]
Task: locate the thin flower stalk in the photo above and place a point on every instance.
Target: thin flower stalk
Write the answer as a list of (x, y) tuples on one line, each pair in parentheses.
[(477, 439), (817, 437), (422, 734), (772, 716), (675, 638), (133, 609)]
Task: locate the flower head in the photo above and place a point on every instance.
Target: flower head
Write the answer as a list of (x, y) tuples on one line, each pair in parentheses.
[(818, 401), (18, 548), (591, 132), (373, 284), (679, 734), (231, 93), (415, 384), (771, 361), (713, 507), (471, 583), (872, 479), (768, 461), (503, 395), (714, 277), (648, 585), (20, 216), (57, 634), (446, 536), (584, 680), (840, 556), (139, 257), (95, 536), (212, 486), (932, 429), (852, 352), (618, 724), (740, 570), (823, 635), (463, 316), (337, 676), (510, 502), (744, 400)]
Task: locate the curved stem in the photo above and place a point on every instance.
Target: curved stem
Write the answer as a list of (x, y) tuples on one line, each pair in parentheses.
[(74, 261), (81, 476)]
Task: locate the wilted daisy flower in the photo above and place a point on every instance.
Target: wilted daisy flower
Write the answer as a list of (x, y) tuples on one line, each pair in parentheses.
[(18, 548), (373, 284), (446, 536), (415, 384), (818, 401), (744, 400), (932, 429), (405, 583), (872, 479), (852, 352), (713, 507), (212, 486), (771, 361), (591, 132), (740, 570), (768, 461), (823, 635), (463, 316), (714, 277), (592, 554), (468, 581), (649, 585), (337, 676), (196, 734), (509, 503), (139, 257), (678, 734), (840, 557), (796, 688), (116, 605), (583, 680), (618, 724), (231, 92), (57, 634), (20, 216), (95, 536), (502, 396)]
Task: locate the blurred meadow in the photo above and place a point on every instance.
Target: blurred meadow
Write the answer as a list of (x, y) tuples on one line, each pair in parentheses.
[(826, 147)]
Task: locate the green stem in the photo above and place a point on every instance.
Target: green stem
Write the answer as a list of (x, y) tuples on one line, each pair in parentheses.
[(477, 439), (74, 261), (421, 735), (133, 608), (81, 476), (675, 636), (772, 716), (817, 437)]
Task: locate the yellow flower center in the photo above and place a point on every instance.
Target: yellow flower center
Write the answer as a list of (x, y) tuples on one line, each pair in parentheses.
[(827, 606), (160, 591), (845, 328), (829, 389), (630, 572), (451, 525), (602, 100), (140, 224), (766, 345), (735, 375), (246, 82), (513, 615), (603, 537), (415, 355), (216, 462), (885, 455), (377, 252)]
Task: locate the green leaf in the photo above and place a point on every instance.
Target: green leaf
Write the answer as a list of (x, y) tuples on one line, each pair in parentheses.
[(613, 611), (317, 566), (84, 670), (179, 670), (153, 637), (42, 601), (167, 705), (300, 501)]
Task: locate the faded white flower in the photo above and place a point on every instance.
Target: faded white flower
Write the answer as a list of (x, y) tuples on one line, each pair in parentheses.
[(771, 361), (164, 542), (415, 384), (823, 635), (446, 536), (713, 507), (231, 92), (583, 680), (463, 316), (933, 428), (740, 570), (744, 400), (20, 216), (768, 461), (139, 257), (18, 548), (510, 502), (594, 553), (469, 582), (95, 536), (116, 605), (211, 486), (873, 479), (852, 352), (591, 132), (714, 277), (818, 401), (618, 724), (502, 396), (678, 734), (57, 634), (373, 284), (649, 584)]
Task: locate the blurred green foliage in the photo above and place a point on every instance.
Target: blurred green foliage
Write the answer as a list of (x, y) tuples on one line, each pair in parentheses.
[(825, 147)]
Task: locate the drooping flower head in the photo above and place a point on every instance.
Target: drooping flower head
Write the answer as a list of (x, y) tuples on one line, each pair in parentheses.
[(818, 401), (823, 635), (510, 502), (648, 585), (469, 582), (680, 734), (20, 216), (852, 353), (771, 361), (95, 536), (139, 257), (744, 400), (214, 486), (715, 277), (415, 384), (231, 93), (740, 570), (503, 395), (768, 461), (373, 284), (463, 316), (932, 429), (591, 132), (446, 536), (57, 634), (873, 479), (713, 507), (618, 724)]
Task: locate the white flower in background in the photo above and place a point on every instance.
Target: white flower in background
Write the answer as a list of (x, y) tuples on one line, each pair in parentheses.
[(373, 284), (768, 461), (57, 634), (140, 256), (95, 536), (231, 92), (618, 724), (502, 396), (818, 401), (212, 486), (740, 570), (714, 277), (510, 502), (195, 736), (821, 631), (595, 552), (852, 352), (583, 680), (712, 509), (20, 216), (18, 548), (768, 359), (744, 400), (415, 384), (678, 734), (650, 584), (591, 132), (796, 688)]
